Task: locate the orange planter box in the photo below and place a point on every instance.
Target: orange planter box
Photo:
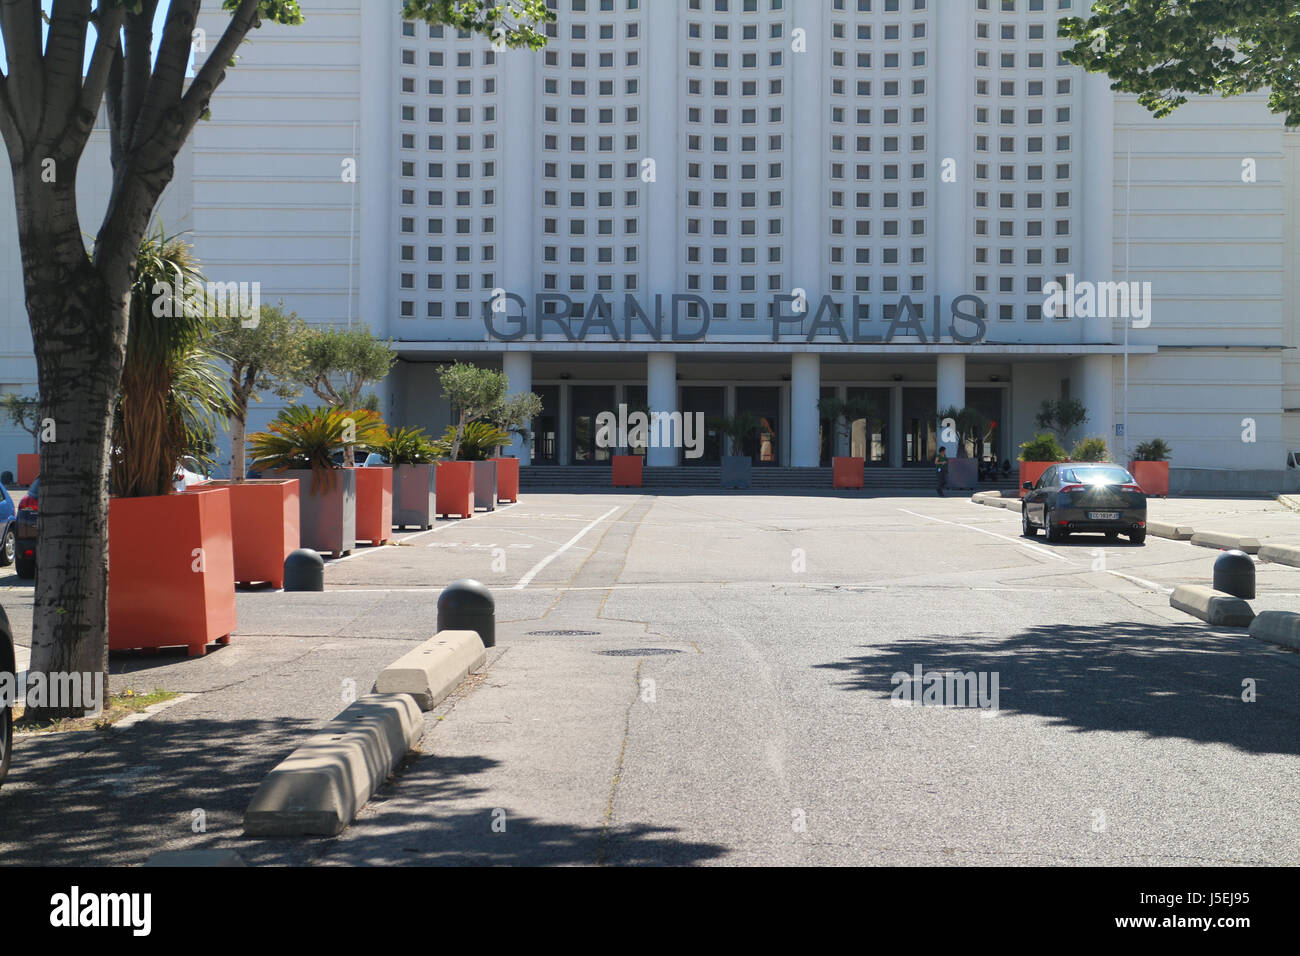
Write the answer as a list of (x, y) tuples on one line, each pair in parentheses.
[(1152, 476), (848, 472), (29, 466), (454, 489), (507, 479), (264, 516), (1032, 471), (628, 470), (374, 504), (171, 571)]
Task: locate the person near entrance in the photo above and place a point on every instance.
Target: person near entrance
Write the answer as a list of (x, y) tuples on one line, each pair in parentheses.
[(941, 467)]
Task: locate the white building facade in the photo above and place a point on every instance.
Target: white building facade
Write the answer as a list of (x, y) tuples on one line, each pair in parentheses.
[(816, 185)]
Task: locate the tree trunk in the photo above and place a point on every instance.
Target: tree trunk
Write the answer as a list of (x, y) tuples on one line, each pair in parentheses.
[(238, 439), (79, 336)]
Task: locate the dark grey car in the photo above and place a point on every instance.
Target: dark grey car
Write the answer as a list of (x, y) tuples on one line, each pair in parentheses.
[(8, 665), (1083, 496)]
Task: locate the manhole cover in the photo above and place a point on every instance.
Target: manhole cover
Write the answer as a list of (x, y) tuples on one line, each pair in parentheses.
[(563, 633), (640, 652)]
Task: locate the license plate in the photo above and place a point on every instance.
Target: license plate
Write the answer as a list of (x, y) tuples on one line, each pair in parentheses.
[(1103, 515)]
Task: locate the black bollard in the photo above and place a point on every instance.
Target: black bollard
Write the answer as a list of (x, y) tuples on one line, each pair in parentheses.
[(304, 570), (1234, 573), (468, 606)]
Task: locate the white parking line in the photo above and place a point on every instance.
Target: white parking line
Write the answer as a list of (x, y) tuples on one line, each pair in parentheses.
[(537, 568), (1022, 542)]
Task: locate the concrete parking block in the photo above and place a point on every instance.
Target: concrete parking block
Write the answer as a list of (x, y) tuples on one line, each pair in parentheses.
[(1280, 554), (1277, 627), (1013, 504), (1225, 542), (431, 671), (196, 858), (1211, 606), (1174, 532), (320, 787)]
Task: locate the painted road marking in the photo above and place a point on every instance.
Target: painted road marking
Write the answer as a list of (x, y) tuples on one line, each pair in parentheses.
[(540, 565)]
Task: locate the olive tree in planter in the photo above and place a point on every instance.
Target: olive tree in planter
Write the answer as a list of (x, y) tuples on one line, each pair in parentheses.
[(412, 454), (964, 427), (300, 443), (339, 364), (738, 467), (1150, 466), (848, 471), (1036, 456)]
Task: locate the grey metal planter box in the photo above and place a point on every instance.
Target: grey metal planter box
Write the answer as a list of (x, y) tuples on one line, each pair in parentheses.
[(485, 485), (327, 520), (414, 497), (737, 471), (963, 472)]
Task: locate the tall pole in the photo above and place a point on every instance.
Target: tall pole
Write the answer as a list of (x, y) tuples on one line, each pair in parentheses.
[(352, 224), (1128, 234)]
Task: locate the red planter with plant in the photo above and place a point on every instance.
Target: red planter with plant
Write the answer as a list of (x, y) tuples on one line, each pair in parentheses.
[(171, 578), (374, 504), (507, 479), (848, 472), (628, 471), (1031, 471), (1152, 476), (454, 489)]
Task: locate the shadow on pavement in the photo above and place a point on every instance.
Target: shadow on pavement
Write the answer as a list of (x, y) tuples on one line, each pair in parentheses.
[(1162, 680)]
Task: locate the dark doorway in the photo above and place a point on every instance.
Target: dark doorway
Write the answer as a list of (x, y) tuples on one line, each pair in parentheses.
[(588, 401), (919, 439), (712, 402), (869, 439), (765, 403), (546, 426)]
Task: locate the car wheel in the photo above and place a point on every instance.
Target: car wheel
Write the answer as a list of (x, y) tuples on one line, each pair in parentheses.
[(1138, 537), (1026, 526), (25, 567), (1054, 534), (7, 548)]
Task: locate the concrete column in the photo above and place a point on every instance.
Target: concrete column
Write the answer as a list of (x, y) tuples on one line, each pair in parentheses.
[(519, 258), (661, 389), (952, 138), (896, 427), (566, 425), (661, 200), (1096, 139), (951, 391), (807, 169), (805, 389), (519, 372), (1096, 375)]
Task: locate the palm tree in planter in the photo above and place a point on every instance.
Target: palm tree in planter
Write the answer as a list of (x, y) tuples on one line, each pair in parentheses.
[(470, 477), (1150, 466), (738, 467), (301, 443), (412, 455), (171, 570)]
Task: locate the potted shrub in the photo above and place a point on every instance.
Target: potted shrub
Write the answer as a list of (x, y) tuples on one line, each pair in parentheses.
[(301, 443), (512, 416), (970, 425), (478, 441), (411, 453), (1150, 466), (171, 563), (846, 471), (1037, 455), (1090, 449), (738, 467)]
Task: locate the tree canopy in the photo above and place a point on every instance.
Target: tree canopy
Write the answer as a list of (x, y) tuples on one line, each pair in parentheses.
[(1167, 50)]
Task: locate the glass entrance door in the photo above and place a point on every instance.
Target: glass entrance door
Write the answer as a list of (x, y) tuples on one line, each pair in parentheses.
[(588, 401), (546, 427), (712, 402), (920, 442), (765, 404), (869, 437)]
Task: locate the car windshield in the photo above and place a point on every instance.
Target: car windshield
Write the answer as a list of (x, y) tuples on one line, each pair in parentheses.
[(1096, 476)]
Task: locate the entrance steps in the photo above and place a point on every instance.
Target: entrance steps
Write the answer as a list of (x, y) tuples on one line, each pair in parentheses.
[(547, 478)]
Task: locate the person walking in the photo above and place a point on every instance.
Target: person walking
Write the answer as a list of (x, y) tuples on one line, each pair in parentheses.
[(941, 467)]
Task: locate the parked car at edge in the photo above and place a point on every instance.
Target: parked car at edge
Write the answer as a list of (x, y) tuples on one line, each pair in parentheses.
[(8, 519), (1085, 496), (29, 509), (8, 665)]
